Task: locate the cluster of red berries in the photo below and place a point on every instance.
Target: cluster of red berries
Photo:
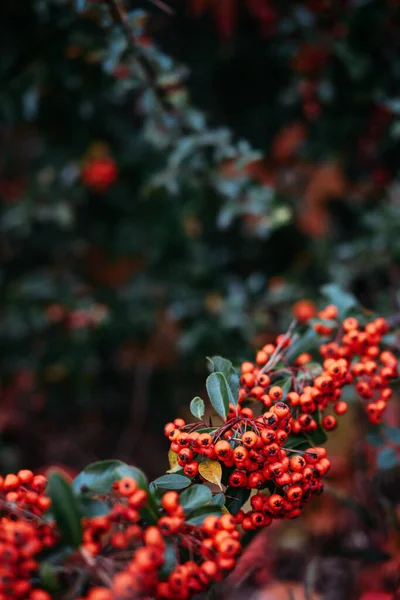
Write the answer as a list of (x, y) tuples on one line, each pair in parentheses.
[(358, 355), (99, 173), (23, 534), (254, 448), (298, 478), (354, 357), (24, 491), (212, 546), (119, 528)]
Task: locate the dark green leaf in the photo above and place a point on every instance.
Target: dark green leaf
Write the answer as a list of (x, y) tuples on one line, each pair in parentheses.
[(308, 342), (297, 441), (197, 407), (236, 498), (172, 482), (65, 508), (219, 393), (194, 497), (392, 434), (375, 439), (386, 458), (224, 366), (197, 517), (218, 500), (49, 576), (170, 560)]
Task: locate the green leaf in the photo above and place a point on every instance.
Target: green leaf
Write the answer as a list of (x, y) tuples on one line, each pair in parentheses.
[(170, 561), (236, 498), (375, 439), (65, 508), (317, 437), (197, 407), (48, 574), (224, 366), (297, 441), (218, 499), (386, 458), (308, 342), (341, 299), (172, 482), (100, 476), (392, 434), (194, 497), (219, 393), (197, 516), (92, 508)]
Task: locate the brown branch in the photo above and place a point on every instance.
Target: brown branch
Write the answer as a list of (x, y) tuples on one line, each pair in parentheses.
[(146, 70)]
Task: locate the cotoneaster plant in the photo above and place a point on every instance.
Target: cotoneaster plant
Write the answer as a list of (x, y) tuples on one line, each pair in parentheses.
[(111, 535)]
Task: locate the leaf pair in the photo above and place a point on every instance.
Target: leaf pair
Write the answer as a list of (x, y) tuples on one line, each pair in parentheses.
[(222, 388)]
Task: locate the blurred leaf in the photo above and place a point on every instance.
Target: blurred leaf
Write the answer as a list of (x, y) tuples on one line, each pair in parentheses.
[(341, 299), (65, 509), (197, 517), (48, 574), (218, 499), (172, 482), (196, 496), (393, 434), (197, 407), (386, 458)]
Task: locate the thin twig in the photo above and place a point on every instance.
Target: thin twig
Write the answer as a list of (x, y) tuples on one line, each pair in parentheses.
[(146, 70)]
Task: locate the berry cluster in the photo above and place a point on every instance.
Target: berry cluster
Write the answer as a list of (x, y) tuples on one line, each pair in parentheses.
[(212, 547), (253, 454), (23, 534), (299, 477), (353, 357), (117, 529)]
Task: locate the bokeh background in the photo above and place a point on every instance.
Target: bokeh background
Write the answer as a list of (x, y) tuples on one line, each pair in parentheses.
[(170, 187)]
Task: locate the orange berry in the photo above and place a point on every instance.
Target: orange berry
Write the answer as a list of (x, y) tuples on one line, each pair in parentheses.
[(170, 501), (304, 310), (223, 449), (25, 476), (340, 407), (275, 392), (11, 482), (350, 323), (227, 522), (96, 593), (204, 440), (329, 423), (250, 439), (211, 524), (127, 486), (138, 499), (261, 358)]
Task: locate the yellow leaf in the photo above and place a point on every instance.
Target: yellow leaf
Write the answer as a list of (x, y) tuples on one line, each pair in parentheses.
[(173, 462), (211, 471)]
